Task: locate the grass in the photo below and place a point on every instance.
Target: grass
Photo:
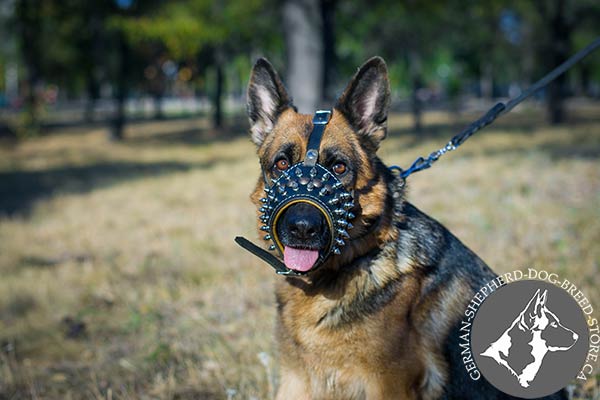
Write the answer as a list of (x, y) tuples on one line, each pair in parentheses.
[(120, 278)]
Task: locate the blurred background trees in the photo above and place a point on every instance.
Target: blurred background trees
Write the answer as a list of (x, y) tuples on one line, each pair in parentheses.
[(108, 61)]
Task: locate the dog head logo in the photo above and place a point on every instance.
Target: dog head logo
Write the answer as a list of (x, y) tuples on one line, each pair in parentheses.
[(304, 232), (536, 328)]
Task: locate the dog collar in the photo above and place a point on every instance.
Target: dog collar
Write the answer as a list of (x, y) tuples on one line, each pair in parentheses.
[(305, 182)]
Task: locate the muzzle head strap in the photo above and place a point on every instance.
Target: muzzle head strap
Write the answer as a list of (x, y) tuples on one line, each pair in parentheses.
[(320, 121)]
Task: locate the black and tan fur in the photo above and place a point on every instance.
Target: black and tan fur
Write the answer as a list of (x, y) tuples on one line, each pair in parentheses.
[(379, 320)]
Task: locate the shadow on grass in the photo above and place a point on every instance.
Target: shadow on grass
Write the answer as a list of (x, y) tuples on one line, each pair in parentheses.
[(19, 190), (236, 128), (192, 137)]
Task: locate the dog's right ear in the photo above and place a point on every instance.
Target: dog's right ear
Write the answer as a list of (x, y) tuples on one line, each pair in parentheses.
[(540, 303), (266, 99)]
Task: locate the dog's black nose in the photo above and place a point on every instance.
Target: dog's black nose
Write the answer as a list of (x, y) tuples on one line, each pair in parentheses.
[(303, 225)]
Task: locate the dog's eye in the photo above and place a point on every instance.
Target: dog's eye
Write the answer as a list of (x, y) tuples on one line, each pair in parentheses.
[(339, 168), (282, 164)]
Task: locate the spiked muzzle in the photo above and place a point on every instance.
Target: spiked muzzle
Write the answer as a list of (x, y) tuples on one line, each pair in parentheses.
[(305, 182)]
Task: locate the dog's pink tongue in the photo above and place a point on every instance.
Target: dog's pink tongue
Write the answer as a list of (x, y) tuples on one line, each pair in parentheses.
[(299, 259)]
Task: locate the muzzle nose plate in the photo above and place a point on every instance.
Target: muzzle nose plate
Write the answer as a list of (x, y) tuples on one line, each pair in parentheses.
[(314, 185)]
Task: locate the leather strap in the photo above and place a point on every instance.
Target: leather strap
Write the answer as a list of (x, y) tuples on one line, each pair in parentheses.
[(264, 255), (320, 121)]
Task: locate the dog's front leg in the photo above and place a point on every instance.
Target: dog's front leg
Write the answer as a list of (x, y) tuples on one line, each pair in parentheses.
[(293, 386)]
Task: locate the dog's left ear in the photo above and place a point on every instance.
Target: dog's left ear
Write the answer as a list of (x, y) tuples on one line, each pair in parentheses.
[(366, 100), (266, 99)]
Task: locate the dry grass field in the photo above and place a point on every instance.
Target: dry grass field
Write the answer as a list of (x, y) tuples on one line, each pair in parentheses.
[(119, 277)]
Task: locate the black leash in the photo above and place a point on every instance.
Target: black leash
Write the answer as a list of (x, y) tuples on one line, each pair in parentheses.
[(499, 109)]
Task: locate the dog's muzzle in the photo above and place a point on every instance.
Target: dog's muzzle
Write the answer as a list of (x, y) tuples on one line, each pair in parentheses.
[(305, 182)]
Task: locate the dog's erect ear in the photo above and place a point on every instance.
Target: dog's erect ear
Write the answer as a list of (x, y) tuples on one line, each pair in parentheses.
[(366, 100), (530, 311), (540, 303), (266, 99)]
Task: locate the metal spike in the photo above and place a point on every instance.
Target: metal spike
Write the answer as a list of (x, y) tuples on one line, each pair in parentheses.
[(339, 212), (267, 190), (265, 228), (340, 242), (337, 185), (298, 172), (343, 234), (336, 251), (334, 201), (265, 209), (280, 189), (313, 172), (267, 237), (325, 176), (273, 181), (264, 218), (350, 226), (350, 215), (345, 196), (323, 192), (342, 222), (272, 247), (348, 206), (264, 200), (293, 184)]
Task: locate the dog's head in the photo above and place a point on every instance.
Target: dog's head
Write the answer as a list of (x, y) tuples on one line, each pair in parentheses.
[(347, 151), (537, 317)]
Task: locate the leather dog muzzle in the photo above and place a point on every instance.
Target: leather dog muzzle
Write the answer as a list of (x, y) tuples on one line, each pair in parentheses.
[(305, 182)]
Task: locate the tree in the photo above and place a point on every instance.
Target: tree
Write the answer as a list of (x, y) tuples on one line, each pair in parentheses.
[(303, 27), (409, 33), (205, 33), (555, 25), (28, 16)]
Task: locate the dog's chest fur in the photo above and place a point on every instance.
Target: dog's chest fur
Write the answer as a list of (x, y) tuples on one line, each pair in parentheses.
[(341, 354)]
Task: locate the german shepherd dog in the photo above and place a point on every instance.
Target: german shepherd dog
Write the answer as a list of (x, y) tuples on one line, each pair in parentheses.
[(379, 320)]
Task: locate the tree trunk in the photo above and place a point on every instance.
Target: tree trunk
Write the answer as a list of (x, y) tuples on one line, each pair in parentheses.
[(486, 81), (29, 27), (303, 25), (416, 78), (158, 108), (218, 95), (122, 88), (557, 51), (329, 56), (585, 73), (93, 91), (91, 60)]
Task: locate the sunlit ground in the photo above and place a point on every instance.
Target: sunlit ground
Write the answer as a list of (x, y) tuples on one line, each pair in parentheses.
[(120, 277)]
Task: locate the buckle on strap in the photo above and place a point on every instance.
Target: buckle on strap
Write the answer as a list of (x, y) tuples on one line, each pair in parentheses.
[(320, 121)]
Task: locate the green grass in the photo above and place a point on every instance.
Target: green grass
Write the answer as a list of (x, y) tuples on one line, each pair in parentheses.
[(135, 241)]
